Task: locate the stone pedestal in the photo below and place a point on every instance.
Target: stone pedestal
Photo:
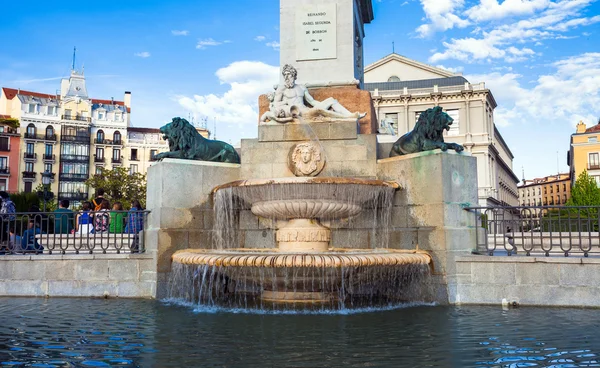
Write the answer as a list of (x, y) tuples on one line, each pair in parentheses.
[(428, 213), (179, 198)]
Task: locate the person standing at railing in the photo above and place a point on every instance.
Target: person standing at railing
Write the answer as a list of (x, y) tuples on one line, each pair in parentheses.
[(63, 219), (135, 224), (29, 243), (84, 219), (102, 218), (7, 212), (117, 219)]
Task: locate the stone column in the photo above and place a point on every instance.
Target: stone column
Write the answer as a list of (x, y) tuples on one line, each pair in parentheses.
[(429, 213)]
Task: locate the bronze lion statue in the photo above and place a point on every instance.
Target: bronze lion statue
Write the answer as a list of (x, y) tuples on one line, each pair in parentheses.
[(185, 142), (427, 134)]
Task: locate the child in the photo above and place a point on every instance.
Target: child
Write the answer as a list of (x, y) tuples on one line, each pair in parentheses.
[(117, 219), (84, 219), (29, 243)]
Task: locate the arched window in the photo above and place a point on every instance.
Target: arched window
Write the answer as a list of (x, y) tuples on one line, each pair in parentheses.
[(49, 132), (117, 137), (100, 136), (393, 78), (31, 131)]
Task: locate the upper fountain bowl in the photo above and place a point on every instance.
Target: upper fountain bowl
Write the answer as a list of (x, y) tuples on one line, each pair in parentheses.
[(306, 197)]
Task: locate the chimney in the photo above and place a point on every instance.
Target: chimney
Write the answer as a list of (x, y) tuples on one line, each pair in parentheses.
[(64, 87), (112, 100), (127, 99), (580, 127)]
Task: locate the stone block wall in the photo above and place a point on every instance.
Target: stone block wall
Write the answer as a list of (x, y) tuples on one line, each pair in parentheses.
[(78, 275), (543, 281)]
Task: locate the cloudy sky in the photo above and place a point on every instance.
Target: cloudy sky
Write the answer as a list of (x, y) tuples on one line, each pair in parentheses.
[(211, 59)]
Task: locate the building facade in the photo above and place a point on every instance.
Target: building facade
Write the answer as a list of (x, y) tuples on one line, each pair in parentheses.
[(402, 88), (584, 153), (547, 191), (71, 136)]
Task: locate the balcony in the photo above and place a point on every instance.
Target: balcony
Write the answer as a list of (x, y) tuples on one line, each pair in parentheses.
[(29, 175), (75, 158), (133, 158), (75, 138), (593, 166), (73, 177), (4, 171), (30, 156), (109, 142), (4, 148), (99, 160), (9, 132), (76, 117), (116, 161), (41, 137), (73, 196), (49, 157)]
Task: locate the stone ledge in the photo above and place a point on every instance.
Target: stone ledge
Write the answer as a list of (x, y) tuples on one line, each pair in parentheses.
[(525, 259), (307, 131), (75, 257)]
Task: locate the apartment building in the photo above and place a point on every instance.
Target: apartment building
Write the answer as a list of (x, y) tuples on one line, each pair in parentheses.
[(402, 88), (9, 154), (547, 191), (584, 152)]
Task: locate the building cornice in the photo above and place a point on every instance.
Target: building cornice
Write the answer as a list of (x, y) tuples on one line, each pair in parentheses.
[(411, 62)]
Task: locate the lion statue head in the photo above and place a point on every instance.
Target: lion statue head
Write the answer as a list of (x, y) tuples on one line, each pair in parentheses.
[(432, 123), (180, 134)]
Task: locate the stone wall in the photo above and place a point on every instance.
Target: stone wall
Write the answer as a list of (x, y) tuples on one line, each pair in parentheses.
[(547, 281), (78, 275)]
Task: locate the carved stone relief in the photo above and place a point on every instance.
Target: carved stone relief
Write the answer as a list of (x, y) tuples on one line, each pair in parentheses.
[(306, 159)]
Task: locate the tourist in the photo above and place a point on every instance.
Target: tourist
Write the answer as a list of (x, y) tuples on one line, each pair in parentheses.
[(102, 218), (97, 202), (63, 220), (7, 212), (135, 219), (117, 219), (84, 219), (29, 243), (14, 241)]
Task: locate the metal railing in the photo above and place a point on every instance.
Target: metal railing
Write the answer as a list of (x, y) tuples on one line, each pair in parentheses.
[(41, 137), (74, 176), (30, 156), (75, 138), (29, 174), (76, 117), (73, 232), (538, 230), (117, 142), (49, 157), (4, 171), (69, 157)]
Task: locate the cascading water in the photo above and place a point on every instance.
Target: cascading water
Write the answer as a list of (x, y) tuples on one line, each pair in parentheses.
[(303, 272)]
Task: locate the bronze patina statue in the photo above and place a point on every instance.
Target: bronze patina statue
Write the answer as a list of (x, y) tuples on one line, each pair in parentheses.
[(427, 135), (185, 142)]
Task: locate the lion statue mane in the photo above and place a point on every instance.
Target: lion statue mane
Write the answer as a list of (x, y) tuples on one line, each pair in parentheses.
[(185, 142), (427, 134)]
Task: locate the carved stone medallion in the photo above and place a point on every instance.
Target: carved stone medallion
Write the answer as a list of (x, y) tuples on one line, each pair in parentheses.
[(306, 159)]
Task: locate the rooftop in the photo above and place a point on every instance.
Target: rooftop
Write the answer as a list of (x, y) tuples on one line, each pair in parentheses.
[(11, 93), (414, 84)]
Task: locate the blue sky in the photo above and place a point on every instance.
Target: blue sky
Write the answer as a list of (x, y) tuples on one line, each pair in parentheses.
[(540, 58)]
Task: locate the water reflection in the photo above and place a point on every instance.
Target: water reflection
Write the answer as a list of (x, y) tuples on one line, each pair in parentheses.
[(143, 333)]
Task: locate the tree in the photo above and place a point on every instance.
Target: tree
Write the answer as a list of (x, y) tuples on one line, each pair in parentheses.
[(585, 191), (120, 186)]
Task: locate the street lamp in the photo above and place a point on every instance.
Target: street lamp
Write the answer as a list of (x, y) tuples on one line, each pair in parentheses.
[(46, 178)]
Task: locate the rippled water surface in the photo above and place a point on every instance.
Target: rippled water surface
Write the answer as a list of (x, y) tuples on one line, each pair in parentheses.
[(144, 333)]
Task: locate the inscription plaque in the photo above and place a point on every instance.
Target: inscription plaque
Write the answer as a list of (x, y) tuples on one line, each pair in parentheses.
[(316, 32)]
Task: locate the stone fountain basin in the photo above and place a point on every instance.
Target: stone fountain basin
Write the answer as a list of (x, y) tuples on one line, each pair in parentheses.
[(307, 197)]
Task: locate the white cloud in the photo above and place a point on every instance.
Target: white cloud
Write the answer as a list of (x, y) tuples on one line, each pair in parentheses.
[(458, 69), (575, 23), (570, 93), (143, 54), (203, 44), (441, 15), (260, 38), (180, 33), (239, 105), (273, 44), (491, 9)]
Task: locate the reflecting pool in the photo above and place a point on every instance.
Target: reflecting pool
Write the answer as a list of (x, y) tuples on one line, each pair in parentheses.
[(145, 333)]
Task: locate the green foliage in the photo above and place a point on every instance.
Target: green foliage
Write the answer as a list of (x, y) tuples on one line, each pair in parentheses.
[(11, 122), (585, 191), (23, 201), (52, 204), (120, 186)]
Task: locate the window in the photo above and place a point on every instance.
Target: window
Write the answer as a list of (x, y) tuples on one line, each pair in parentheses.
[(116, 154), (31, 108), (48, 167), (153, 153), (68, 114), (393, 78), (100, 136), (49, 131), (557, 199), (564, 198), (564, 187), (3, 163), (98, 170), (594, 161), (48, 150), (3, 185), (117, 116), (134, 154), (551, 189), (51, 110), (28, 187), (390, 121), (117, 137), (29, 166), (133, 169), (557, 188), (592, 139), (454, 128), (597, 178), (539, 191), (29, 148), (100, 115), (100, 153), (31, 130)]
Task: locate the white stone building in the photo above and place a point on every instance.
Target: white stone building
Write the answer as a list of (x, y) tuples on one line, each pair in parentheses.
[(402, 88)]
